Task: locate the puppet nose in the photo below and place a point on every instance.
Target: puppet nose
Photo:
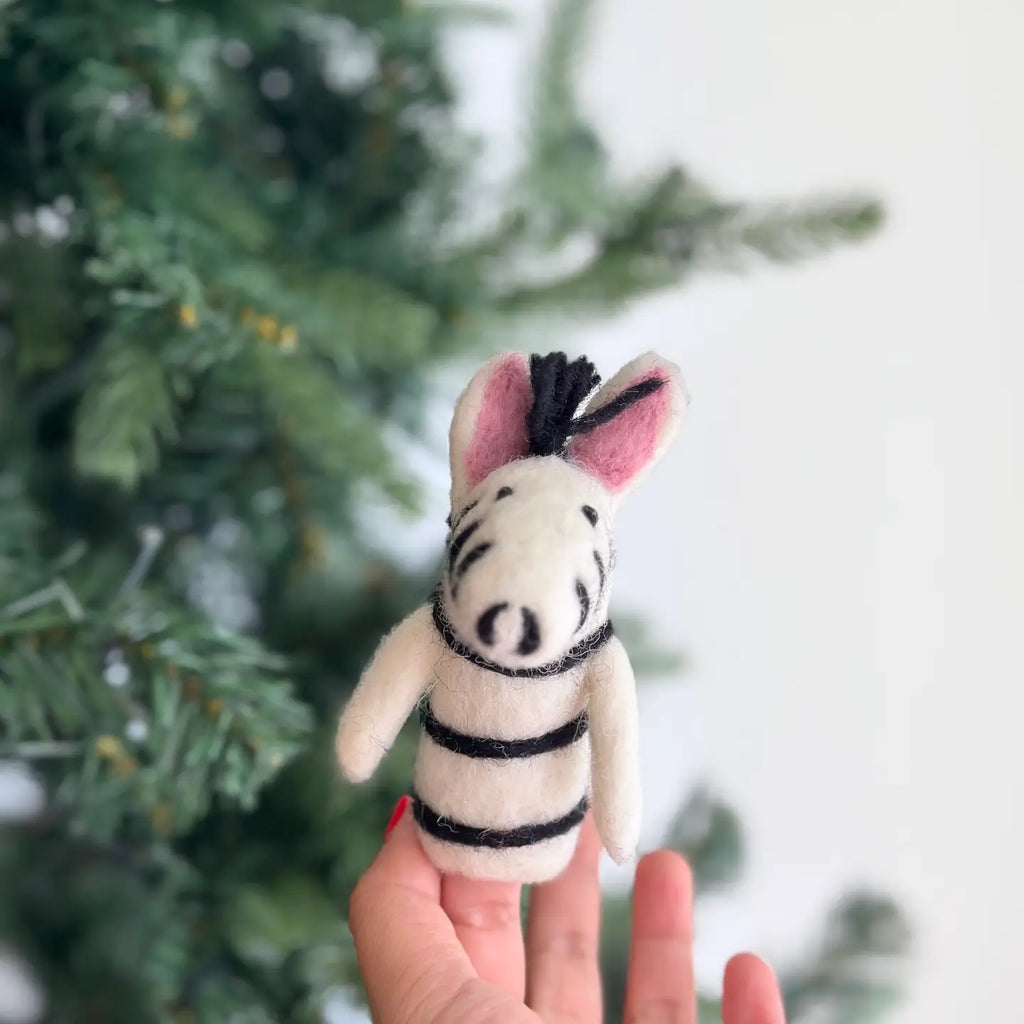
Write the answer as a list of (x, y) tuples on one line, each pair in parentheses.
[(529, 639), (529, 635), (485, 624)]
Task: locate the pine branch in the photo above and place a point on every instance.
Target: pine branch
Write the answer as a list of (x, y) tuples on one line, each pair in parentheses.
[(127, 411), (782, 233), (58, 590), (554, 108), (565, 173), (350, 317), (854, 977), (151, 710), (604, 285), (41, 299), (42, 750), (443, 13), (11, 13), (708, 834), (647, 253), (333, 431)]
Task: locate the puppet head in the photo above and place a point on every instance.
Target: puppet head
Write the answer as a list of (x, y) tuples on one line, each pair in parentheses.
[(536, 481)]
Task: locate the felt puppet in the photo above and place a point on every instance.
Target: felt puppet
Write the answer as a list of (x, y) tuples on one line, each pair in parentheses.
[(527, 699)]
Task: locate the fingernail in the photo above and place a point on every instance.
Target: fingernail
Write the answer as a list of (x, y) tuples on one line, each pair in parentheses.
[(396, 814)]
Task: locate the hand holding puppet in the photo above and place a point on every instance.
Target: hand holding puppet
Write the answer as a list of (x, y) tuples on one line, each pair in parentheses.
[(527, 700)]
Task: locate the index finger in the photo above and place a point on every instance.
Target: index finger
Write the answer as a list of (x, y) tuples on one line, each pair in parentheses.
[(410, 958)]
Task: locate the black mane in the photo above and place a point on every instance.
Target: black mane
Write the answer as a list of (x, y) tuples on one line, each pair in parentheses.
[(558, 389)]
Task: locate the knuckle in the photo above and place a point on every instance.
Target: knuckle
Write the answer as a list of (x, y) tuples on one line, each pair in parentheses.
[(570, 944), (456, 1008), (416, 986), (486, 915)]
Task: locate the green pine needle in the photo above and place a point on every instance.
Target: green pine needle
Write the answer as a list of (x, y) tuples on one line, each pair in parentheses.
[(127, 411)]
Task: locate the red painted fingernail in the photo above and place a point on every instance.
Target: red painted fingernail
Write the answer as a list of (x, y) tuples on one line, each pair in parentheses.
[(396, 814)]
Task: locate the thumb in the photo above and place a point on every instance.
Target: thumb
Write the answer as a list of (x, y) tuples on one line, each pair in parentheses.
[(412, 963), (407, 949)]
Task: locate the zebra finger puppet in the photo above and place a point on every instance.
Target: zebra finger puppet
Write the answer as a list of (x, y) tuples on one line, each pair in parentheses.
[(527, 699)]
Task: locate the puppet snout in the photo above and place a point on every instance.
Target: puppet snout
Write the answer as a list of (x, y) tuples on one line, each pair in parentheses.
[(517, 608), (520, 628)]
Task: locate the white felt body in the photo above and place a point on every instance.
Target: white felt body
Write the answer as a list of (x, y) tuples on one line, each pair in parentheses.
[(504, 794)]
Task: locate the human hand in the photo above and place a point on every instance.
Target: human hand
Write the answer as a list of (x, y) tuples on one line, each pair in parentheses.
[(436, 949)]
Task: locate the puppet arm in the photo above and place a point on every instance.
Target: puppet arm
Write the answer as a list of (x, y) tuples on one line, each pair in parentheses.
[(386, 694), (615, 750)]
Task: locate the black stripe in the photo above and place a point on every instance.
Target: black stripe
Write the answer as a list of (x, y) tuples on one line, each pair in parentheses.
[(620, 403), (576, 655), (584, 598), (466, 835), (477, 553), (502, 750), (453, 551), (462, 515), (601, 574)]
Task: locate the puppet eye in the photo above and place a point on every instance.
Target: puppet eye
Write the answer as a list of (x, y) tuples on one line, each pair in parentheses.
[(591, 513), (503, 492)]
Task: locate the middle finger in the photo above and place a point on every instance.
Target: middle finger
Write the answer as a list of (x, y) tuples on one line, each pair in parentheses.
[(562, 936)]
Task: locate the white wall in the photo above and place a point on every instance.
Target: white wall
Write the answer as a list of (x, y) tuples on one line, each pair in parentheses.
[(842, 511)]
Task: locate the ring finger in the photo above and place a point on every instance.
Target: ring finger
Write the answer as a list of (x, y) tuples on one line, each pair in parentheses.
[(660, 982)]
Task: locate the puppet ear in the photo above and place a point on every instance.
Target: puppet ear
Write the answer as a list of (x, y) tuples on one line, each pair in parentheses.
[(636, 414), (489, 425)]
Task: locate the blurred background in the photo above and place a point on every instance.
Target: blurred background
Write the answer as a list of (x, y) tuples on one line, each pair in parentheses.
[(250, 254)]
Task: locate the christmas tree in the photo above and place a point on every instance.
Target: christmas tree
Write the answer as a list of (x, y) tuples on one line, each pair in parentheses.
[(236, 241)]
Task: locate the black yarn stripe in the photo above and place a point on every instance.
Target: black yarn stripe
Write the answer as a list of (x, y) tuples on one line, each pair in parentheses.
[(467, 835), (601, 574), (459, 542), (620, 403), (576, 655), (469, 508), (559, 388), (452, 524), (501, 750)]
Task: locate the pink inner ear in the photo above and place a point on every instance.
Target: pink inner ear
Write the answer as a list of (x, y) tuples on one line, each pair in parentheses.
[(618, 450), (500, 434)]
